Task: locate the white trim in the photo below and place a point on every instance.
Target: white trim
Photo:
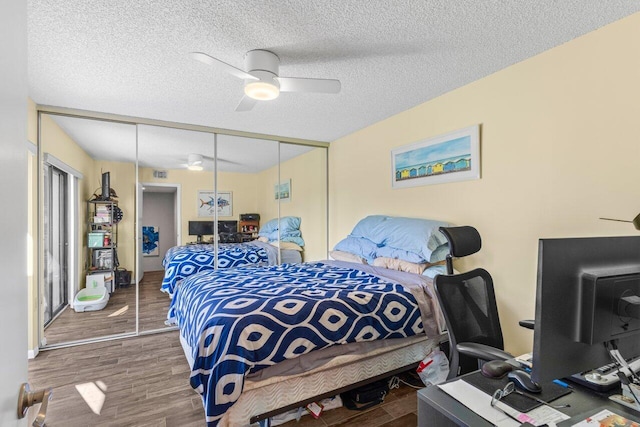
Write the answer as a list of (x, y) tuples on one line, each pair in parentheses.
[(33, 149), (54, 161), (32, 353), (72, 248)]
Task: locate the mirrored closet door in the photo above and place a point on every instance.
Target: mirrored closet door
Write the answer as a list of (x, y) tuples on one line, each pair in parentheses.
[(176, 176), (87, 201), (120, 197), (246, 168), (303, 183)]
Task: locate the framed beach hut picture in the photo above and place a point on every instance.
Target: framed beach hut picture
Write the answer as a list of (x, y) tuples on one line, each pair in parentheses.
[(282, 191), (451, 157)]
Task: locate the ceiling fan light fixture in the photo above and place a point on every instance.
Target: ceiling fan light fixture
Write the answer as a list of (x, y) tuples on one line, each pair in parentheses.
[(194, 162), (262, 91), (262, 80)]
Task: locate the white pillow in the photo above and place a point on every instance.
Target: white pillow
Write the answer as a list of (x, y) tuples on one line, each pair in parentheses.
[(400, 265), (347, 256)]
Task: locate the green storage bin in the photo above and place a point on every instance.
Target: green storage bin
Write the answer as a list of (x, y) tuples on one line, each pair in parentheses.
[(95, 240)]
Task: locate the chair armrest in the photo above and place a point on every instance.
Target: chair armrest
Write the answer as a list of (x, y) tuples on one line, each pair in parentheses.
[(529, 324), (482, 351)]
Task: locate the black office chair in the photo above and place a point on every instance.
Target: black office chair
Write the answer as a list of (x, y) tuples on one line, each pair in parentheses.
[(468, 303), (228, 232)]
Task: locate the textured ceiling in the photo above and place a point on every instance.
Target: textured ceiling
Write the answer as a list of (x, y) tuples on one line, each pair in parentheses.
[(131, 57)]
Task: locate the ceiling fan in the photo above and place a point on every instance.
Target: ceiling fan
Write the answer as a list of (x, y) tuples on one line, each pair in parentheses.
[(198, 162), (262, 81)]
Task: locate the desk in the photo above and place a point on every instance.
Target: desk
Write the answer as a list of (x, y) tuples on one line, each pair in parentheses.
[(437, 408)]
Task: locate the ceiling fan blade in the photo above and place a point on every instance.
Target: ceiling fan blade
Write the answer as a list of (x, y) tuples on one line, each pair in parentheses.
[(246, 104), (212, 159), (297, 84), (210, 60)]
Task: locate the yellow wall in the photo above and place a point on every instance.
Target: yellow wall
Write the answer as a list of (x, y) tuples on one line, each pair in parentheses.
[(559, 149), (241, 185), (307, 173), (265, 184), (122, 179), (308, 199)]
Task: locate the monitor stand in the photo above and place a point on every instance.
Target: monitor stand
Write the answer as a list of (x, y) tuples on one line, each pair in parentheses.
[(629, 396), (629, 381), (199, 239)]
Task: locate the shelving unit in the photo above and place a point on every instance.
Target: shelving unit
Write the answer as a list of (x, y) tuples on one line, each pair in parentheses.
[(102, 241), (249, 226)]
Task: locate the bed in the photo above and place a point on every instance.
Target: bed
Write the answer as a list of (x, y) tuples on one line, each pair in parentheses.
[(260, 339), (182, 261)]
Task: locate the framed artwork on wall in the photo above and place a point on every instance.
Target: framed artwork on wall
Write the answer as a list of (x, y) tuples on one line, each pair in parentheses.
[(282, 192), (150, 240), (451, 157), (207, 203)]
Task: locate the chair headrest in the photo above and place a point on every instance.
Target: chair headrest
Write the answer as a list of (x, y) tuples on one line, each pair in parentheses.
[(463, 241)]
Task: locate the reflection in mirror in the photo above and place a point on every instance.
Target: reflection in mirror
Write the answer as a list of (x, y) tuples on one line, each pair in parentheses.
[(303, 195), (244, 169), (87, 204), (215, 177), (118, 200), (176, 183)]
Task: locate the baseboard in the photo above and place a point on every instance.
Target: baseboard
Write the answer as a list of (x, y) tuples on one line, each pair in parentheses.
[(31, 354)]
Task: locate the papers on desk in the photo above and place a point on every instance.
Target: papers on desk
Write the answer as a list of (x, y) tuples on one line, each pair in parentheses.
[(605, 418), (480, 403)]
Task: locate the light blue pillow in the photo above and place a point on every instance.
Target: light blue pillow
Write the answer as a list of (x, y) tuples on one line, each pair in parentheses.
[(360, 246), (289, 223), (420, 236), (286, 224), (440, 254), (390, 252), (433, 270), (268, 227), (364, 227)]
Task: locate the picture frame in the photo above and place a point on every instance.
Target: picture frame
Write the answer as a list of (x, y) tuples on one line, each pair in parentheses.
[(451, 157), (206, 204), (150, 240), (282, 191)]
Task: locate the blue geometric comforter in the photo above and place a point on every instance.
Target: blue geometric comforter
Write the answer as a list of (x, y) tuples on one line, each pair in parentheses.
[(183, 261), (242, 320)]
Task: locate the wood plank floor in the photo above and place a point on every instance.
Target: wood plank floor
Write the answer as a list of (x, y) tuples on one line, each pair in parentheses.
[(117, 317), (144, 381)]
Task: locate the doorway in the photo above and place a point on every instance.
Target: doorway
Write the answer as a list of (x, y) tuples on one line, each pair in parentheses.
[(159, 219), (159, 213)]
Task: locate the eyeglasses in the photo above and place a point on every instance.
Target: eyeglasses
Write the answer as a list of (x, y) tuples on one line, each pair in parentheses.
[(502, 392)]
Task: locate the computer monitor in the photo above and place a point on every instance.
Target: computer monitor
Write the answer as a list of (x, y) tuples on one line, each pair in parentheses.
[(200, 228), (583, 289)]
